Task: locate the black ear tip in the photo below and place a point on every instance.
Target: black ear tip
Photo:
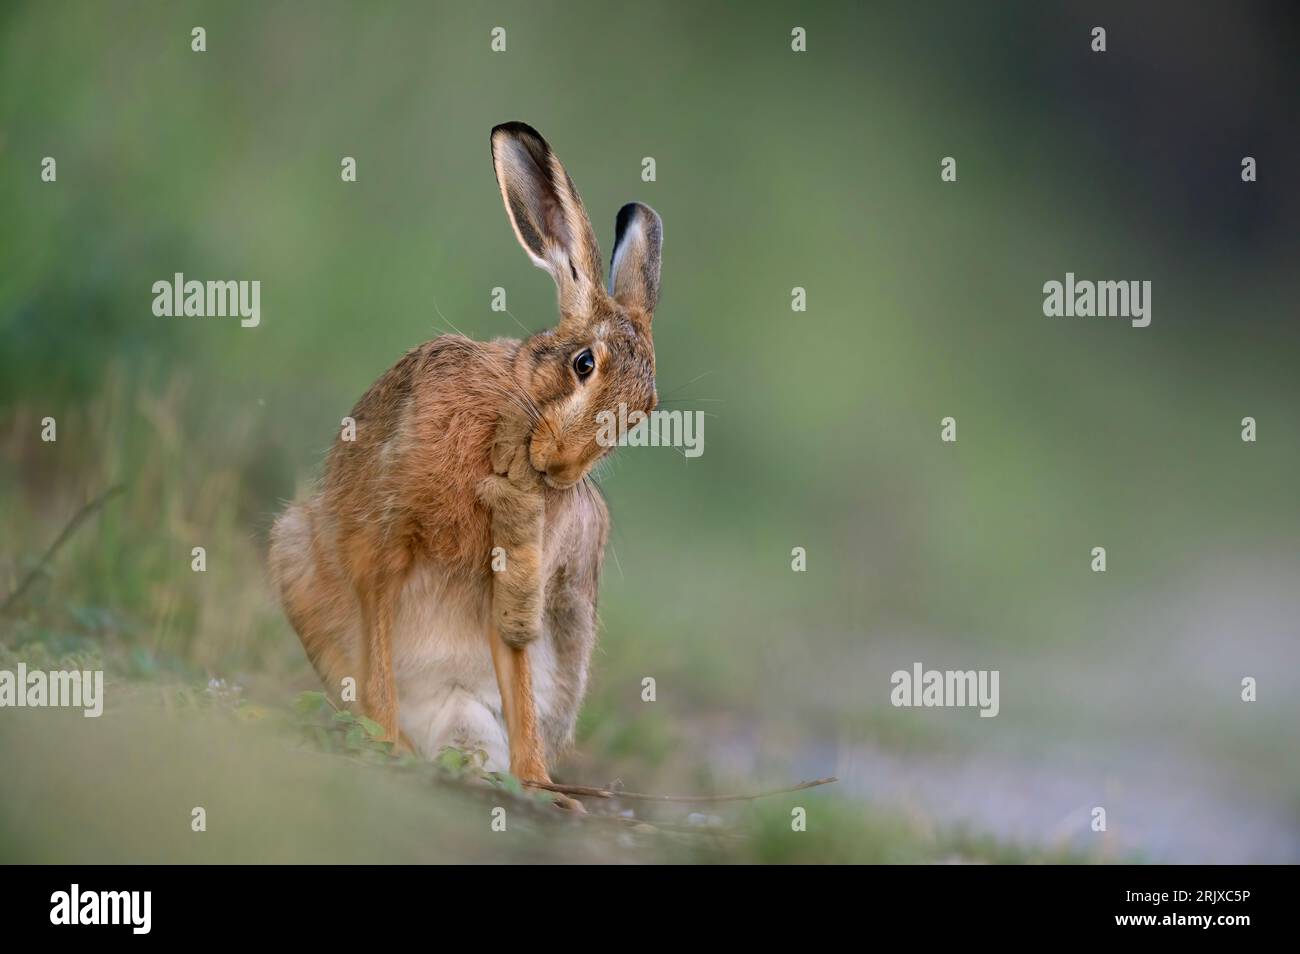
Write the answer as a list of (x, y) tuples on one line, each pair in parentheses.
[(516, 129), (624, 219), (630, 213), (524, 136), (514, 126)]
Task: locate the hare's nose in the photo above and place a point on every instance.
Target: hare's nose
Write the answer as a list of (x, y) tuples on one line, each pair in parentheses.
[(561, 469)]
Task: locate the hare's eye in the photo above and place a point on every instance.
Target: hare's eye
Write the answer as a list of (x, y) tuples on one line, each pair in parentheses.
[(584, 363)]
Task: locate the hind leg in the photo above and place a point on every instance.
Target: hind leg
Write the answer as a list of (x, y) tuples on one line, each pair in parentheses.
[(321, 608), (315, 598)]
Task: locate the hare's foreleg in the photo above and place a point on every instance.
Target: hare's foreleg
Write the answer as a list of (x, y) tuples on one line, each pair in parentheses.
[(518, 513), (515, 497), (519, 707)]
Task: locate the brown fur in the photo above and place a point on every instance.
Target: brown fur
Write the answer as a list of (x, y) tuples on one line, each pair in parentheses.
[(462, 446)]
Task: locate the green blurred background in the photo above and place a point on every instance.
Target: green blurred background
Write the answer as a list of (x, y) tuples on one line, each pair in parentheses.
[(775, 169)]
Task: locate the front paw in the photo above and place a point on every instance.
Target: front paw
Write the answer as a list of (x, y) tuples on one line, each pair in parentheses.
[(521, 474), (495, 492), (512, 436), (503, 454), (519, 625), (517, 501)]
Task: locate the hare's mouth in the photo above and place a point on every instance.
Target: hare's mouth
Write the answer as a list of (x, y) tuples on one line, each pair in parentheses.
[(561, 475), (558, 483)]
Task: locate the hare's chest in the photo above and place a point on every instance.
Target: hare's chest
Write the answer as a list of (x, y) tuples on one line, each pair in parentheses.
[(439, 630)]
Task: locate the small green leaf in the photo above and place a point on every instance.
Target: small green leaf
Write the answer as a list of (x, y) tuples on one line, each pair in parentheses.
[(451, 760), (371, 726), (309, 702)]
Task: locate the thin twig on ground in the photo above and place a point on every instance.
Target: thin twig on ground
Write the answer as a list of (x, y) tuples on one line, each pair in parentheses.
[(587, 791)]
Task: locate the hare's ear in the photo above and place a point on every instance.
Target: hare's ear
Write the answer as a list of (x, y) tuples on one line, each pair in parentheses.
[(547, 214), (634, 267)]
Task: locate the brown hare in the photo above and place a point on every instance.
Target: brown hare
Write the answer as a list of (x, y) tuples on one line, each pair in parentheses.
[(450, 559)]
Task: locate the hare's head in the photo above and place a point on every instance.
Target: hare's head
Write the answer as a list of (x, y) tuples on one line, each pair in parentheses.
[(598, 364)]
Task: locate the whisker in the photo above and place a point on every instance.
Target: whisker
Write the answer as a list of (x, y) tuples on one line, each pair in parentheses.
[(506, 388), (446, 319), (690, 382), (514, 400), (603, 467), (518, 322), (617, 562)]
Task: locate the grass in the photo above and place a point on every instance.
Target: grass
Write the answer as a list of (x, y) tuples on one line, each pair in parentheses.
[(205, 702)]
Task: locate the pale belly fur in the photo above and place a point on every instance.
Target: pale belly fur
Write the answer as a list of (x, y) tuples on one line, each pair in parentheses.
[(446, 686)]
